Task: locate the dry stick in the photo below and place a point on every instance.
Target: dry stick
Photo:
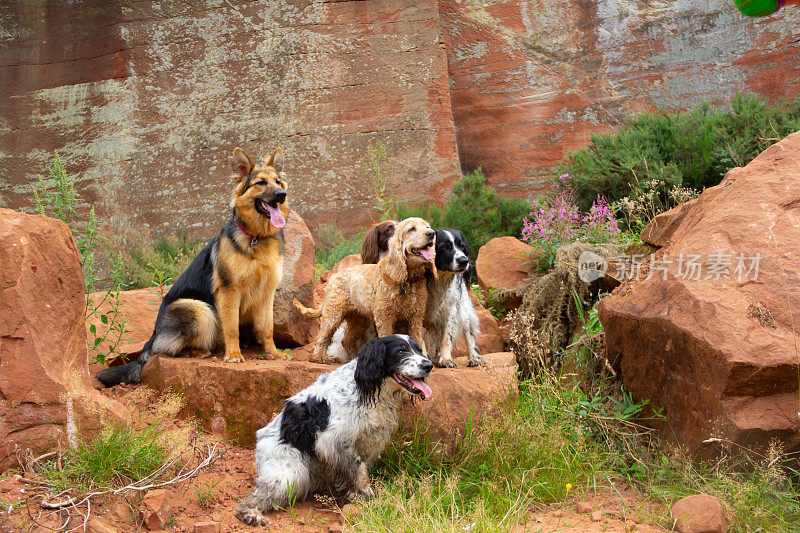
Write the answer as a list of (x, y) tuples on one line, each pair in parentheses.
[(141, 485)]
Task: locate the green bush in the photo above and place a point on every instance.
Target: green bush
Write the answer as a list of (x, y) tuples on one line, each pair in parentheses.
[(331, 246), (475, 208), (693, 149)]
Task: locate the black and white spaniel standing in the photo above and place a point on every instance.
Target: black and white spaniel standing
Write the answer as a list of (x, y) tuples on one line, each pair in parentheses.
[(328, 436), (449, 314)]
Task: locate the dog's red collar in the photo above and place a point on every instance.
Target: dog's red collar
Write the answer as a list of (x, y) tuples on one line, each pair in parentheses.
[(253, 238)]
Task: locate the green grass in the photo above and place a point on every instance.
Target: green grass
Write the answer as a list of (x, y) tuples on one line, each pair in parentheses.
[(526, 457), (159, 263), (563, 436), (332, 246), (116, 458)]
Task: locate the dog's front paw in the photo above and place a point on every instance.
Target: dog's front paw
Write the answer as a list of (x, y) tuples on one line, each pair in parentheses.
[(251, 517), (446, 362), (363, 495), (477, 360), (233, 357)]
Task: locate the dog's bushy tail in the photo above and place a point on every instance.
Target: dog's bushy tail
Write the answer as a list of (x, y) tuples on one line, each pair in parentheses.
[(307, 311), (129, 373)]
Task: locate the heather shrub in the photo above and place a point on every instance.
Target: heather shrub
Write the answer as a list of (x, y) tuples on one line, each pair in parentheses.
[(556, 220), (677, 150)]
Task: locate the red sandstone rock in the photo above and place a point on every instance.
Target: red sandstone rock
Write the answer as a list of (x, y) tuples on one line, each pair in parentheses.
[(719, 356), (659, 231), (532, 81), (248, 395), (503, 264), (292, 328), (97, 525), (699, 514), (325, 80), (44, 379), (207, 527), (156, 509)]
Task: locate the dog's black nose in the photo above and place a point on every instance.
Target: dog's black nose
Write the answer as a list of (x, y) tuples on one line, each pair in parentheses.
[(426, 365), (462, 262), (280, 196), (430, 234)]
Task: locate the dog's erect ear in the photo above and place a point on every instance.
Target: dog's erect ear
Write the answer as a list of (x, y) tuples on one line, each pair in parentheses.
[(242, 164), (276, 161), (370, 370), (394, 263)]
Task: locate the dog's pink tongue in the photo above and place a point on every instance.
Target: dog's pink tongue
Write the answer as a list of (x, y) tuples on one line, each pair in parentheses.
[(423, 388), (276, 217), (426, 253)]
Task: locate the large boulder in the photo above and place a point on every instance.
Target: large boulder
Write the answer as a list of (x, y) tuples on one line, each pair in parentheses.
[(45, 386), (503, 266), (239, 399), (716, 346)]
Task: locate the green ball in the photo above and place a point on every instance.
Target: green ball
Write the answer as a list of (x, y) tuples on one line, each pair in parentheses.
[(757, 8)]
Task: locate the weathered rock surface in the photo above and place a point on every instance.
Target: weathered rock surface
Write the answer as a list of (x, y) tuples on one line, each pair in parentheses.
[(700, 513), (532, 80), (153, 97), (503, 265), (44, 380), (292, 328), (246, 396), (126, 89), (156, 509), (659, 231), (719, 355)]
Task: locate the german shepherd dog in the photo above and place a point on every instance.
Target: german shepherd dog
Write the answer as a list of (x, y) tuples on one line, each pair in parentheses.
[(232, 280)]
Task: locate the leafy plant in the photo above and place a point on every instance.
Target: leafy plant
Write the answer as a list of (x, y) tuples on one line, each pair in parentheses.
[(116, 457), (59, 200), (383, 201), (490, 301), (159, 264), (475, 208), (206, 496), (332, 246)]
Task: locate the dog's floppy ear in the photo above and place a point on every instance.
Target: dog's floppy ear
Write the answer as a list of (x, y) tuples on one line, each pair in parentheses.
[(394, 263), (370, 370), (371, 247), (276, 161), (242, 165)]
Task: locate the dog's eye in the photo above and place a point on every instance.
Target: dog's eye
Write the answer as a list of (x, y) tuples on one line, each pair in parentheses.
[(411, 230), (262, 182), (278, 181)]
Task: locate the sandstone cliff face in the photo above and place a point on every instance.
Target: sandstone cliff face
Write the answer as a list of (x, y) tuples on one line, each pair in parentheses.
[(532, 80), (146, 100)]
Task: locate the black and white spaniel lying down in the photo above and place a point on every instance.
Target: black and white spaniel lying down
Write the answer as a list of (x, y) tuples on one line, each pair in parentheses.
[(328, 436)]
